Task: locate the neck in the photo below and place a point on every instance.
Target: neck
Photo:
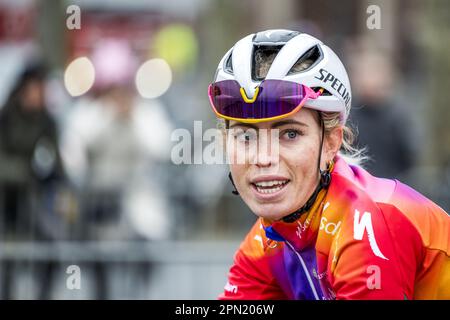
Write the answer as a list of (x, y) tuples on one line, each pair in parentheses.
[(324, 182), (301, 232)]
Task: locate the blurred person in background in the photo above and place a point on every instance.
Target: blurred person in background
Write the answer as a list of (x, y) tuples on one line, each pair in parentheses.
[(113, 144), (30, 168), (392, 148)]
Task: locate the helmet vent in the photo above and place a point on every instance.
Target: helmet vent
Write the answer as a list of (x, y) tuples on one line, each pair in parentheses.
[(307, 60), (263, 57), (228, 64)]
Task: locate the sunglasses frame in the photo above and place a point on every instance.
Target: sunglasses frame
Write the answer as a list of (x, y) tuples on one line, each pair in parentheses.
[(310, 94)]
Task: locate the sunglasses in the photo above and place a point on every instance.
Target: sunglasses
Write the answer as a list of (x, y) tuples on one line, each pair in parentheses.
[(273, 99)]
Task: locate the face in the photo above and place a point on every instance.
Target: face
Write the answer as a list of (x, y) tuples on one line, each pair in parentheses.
[(274, 164), (32, 97)]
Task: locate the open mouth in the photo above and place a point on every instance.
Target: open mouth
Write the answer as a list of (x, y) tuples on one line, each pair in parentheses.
[(267, 187)]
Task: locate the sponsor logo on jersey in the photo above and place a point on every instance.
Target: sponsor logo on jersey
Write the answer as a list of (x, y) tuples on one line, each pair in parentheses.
[(329, 227), (365, 224), (302, 227)]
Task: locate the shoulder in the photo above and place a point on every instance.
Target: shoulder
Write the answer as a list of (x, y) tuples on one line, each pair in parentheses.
[(408, 199), (430, 220), (410, 205), (392, 233), (375, 226), (390, 211), (391, 205)]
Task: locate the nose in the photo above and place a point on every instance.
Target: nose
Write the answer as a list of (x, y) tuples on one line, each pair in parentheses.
[(267, 154), (263, 160)]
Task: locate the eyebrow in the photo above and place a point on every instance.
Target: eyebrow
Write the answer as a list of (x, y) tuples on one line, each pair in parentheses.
[(241, 124), (275, 125), (289, 121)]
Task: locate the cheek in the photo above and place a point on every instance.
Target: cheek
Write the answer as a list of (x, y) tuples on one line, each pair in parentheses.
[(238, 172), (237, 165), (300, 159), (233, 149)]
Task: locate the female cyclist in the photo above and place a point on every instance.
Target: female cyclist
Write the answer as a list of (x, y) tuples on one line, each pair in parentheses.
[(327, 229)]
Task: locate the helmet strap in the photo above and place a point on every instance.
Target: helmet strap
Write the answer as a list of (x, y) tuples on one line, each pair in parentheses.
[(235, 192)]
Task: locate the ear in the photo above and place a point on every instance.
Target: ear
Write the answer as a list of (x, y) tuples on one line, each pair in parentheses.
[(332, 143)]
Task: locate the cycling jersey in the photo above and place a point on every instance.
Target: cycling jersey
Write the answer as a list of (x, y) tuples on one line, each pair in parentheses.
[(364, 238)]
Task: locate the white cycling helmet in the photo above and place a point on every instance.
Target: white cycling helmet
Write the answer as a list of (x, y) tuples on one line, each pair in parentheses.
[(298, 57)]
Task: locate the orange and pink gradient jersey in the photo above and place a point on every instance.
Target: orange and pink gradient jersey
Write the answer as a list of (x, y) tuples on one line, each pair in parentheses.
[(364, 238)]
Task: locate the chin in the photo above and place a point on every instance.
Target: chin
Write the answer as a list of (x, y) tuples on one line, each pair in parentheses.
[(271, 211), (270, 200)]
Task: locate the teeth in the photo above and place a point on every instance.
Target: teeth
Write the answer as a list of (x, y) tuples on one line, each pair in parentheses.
[(270, 183), (271, 190), (270, 186)]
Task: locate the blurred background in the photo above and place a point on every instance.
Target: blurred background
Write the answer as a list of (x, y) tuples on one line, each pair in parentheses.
[(91, 91)]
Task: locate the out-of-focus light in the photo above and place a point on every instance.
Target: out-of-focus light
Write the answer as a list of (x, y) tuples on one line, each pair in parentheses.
[(79, 76), (153, 78), (178, 45), (115, 63)]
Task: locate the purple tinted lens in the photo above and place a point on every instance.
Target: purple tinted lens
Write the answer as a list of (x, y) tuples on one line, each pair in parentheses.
[(275, 98)]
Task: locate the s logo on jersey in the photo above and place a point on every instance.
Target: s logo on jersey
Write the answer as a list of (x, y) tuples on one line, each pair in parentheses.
[(365, 224)]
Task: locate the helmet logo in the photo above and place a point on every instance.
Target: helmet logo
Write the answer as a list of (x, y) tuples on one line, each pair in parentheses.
[(244, 95), (336, 84)]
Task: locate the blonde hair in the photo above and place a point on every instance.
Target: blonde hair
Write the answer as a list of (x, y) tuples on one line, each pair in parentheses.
[(348, 151)]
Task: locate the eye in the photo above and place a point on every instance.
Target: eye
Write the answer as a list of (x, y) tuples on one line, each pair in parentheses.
[(291, 134), (246, 136)]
